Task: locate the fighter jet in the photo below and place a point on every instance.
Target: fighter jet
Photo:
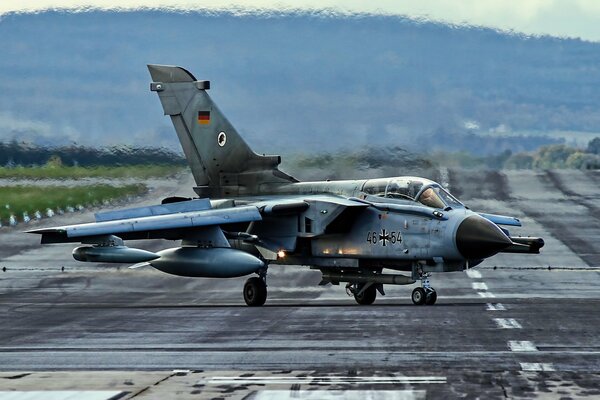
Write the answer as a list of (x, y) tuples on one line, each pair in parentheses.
[(250, 216)]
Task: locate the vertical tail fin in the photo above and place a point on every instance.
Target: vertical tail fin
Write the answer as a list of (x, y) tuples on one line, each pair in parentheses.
[(221, 161)]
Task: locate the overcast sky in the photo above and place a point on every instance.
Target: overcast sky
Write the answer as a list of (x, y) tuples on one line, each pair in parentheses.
[(565, 18)]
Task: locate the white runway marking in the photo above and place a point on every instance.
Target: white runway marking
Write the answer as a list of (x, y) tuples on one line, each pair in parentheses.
[(486, 294), (496, 307), (522, 345), (507, 323), (479, 286), (537, 367), (339, 394), (473, 274), (60, 395), (320, 380)]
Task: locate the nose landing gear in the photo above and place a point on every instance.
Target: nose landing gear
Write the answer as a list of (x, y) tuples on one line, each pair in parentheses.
[(424, 294)]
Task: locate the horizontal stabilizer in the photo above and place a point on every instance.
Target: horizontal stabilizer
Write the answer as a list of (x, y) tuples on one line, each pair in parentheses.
[(162, 209)]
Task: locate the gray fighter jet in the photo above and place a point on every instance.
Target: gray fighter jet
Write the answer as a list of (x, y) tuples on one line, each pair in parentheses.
[(249, 215)]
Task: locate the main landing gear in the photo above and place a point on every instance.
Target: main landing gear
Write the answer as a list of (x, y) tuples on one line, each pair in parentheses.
[(424, 294), (364, 293), (255, 290)]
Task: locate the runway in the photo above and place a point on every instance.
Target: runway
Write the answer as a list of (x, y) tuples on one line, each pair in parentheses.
[(515, 327)]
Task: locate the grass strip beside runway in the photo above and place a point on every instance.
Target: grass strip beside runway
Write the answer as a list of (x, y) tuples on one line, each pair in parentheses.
[(70, 172), (17, 200)]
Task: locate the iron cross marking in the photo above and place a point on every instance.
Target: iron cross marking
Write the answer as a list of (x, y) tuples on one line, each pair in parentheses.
[(384, 237)]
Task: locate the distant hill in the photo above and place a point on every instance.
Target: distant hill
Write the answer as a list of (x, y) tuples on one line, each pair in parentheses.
[(296, 81)]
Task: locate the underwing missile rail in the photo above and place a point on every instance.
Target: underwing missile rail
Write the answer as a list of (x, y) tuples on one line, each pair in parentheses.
[(336, 277)]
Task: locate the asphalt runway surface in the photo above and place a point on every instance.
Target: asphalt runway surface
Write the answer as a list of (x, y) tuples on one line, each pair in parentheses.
[(518, 326)]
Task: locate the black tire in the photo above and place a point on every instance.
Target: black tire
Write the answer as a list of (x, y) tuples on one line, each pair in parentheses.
[(367, 297), (419, 296), (431, 297), (255, 292)]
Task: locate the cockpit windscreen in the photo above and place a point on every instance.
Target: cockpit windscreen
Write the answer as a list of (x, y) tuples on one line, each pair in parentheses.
[(436, 197), (408, 188), (395, 188)]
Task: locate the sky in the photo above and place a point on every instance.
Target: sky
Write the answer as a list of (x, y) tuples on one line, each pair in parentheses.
[(562, 18), (414, 79)]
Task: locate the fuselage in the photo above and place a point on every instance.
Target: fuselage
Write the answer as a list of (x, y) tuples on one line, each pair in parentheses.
[(405, 220)]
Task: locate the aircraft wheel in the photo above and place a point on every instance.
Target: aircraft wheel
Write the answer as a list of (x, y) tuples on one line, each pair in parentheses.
[(431, 297), (419, 296), (255, 292), (367, 297)]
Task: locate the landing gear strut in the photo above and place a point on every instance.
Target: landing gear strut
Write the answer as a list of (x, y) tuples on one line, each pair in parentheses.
[(424, 294), (364, 294), (255, 290)]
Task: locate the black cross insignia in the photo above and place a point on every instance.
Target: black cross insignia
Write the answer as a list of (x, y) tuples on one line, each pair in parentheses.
[(384, 237)]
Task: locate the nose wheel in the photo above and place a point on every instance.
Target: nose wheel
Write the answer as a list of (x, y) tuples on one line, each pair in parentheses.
[(424, 294)]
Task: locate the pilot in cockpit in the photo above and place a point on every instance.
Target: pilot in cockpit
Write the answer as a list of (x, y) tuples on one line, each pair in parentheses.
[(437, 197), (430, 199)]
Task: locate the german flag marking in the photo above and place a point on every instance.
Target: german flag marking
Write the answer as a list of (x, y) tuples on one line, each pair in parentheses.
[(204, 117)]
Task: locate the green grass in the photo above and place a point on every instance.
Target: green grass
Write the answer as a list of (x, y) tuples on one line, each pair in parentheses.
[(63, 172), (30, 199)]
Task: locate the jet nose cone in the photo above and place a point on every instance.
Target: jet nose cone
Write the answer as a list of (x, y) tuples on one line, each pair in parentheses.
[(478, 238)]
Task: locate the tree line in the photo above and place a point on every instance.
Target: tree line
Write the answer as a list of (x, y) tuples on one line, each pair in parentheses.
[(26, 154), (552, 156)]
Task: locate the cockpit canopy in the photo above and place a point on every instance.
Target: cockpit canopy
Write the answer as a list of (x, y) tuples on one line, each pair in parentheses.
[(422, 190)]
